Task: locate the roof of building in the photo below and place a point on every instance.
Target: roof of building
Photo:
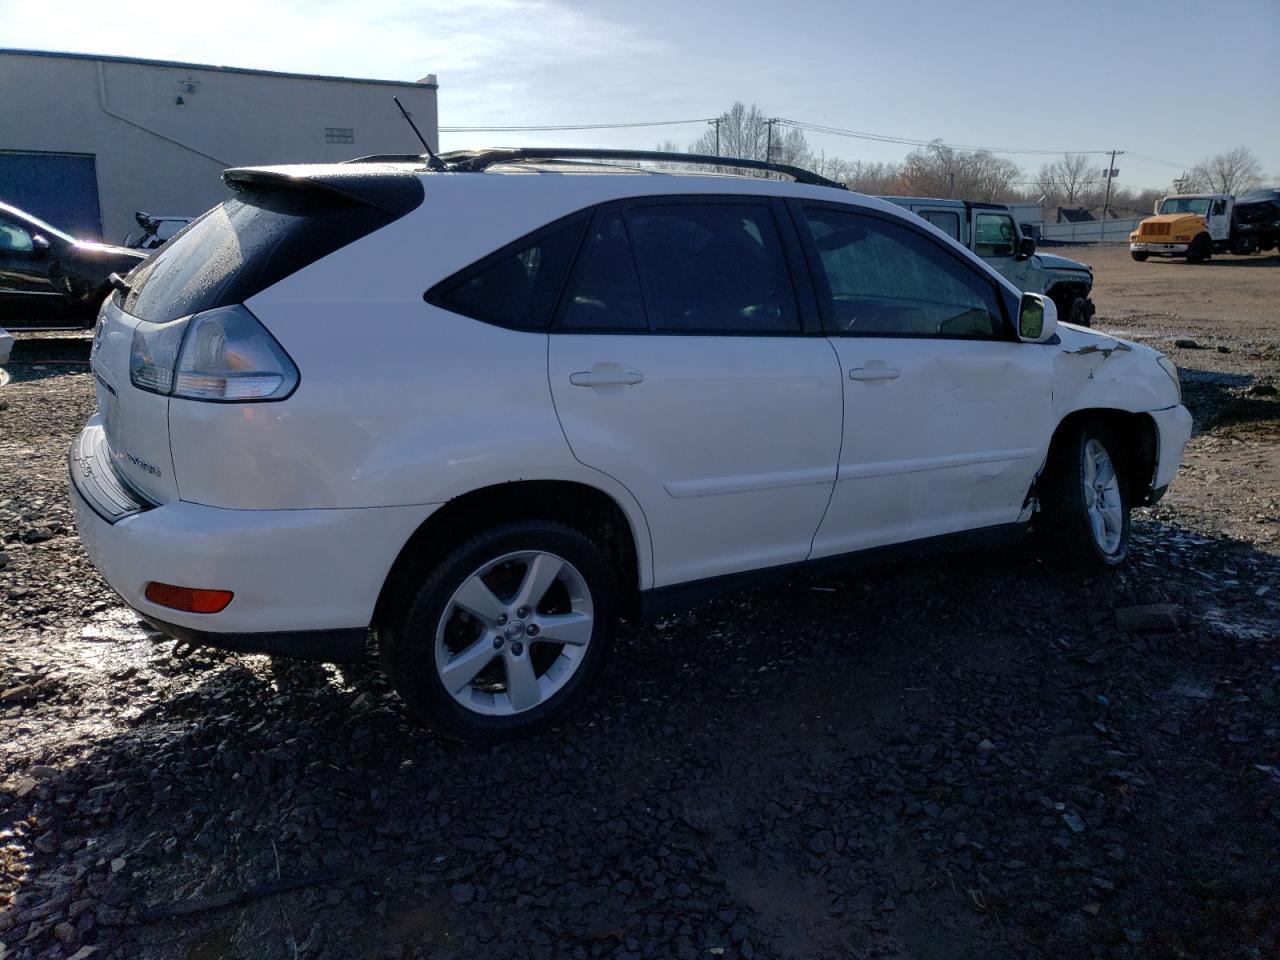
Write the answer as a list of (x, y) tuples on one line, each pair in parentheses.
[(184, 65), (1074, 215)]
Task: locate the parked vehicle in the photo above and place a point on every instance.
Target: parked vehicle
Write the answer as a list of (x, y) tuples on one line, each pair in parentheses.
[(155, 230), (485, 407), (988, 229), (1197, 226), (50, 277)]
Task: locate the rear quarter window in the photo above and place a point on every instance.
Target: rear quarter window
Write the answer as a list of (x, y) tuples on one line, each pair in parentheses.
[(241, 247)]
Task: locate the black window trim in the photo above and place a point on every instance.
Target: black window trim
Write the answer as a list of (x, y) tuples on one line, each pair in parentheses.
[(436, 295), (795, 264), (825, 298)]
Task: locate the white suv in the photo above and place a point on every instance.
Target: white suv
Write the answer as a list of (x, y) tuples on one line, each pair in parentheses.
[(483, 407)]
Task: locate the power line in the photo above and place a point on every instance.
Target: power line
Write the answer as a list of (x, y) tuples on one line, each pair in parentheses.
[(911, 141), (803, 125), (575, 126)]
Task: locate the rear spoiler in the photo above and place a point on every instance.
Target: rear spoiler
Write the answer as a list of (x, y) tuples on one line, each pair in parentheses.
[(383, 188)]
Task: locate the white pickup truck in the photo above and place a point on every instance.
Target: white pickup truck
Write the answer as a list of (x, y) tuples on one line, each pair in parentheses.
[(989, 230)]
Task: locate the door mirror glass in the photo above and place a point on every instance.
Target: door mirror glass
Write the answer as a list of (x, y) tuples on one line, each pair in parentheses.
[(1037, 318), (1026, 248)]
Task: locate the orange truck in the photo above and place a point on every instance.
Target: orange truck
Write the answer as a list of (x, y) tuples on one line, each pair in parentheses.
[(1197, 226)]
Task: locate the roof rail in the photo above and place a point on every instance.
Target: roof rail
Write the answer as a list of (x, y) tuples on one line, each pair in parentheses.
[(478, 160)]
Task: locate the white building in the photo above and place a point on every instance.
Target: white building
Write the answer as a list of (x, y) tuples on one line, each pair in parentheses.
[(85, 140)]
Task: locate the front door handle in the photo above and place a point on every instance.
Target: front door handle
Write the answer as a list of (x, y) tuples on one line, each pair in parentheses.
[(606, 378), (874, 373)]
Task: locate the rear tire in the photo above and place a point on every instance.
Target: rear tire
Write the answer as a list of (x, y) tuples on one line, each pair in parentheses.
[(460, 647), (1084, 505), (1140, 257), (1200, 250)]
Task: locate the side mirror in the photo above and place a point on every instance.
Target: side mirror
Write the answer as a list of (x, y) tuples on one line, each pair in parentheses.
[(39, 245), (1026, 248), (1037, 318)]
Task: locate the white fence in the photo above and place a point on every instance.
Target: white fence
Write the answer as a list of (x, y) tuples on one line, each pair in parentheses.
[(1091, 231)]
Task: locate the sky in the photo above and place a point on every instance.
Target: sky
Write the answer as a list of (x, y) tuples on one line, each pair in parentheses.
[(1168, 82)]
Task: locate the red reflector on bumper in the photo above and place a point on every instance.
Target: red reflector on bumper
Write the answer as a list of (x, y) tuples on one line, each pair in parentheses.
[(188, 599)]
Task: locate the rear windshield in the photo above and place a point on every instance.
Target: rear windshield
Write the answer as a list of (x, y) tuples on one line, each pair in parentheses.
[(241, 247)]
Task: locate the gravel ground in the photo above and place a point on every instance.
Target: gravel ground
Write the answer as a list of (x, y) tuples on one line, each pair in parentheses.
[(969, 757)]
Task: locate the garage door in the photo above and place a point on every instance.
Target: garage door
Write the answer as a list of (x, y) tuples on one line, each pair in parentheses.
[(59, 188)]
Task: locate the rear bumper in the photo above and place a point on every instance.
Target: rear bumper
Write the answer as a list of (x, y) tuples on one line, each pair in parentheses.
[(1160, 249), (327, 646), (293, 572)]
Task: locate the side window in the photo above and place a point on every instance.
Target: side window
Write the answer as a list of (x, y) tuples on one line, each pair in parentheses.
[(886, 279), (715, 268), (14, 237), (946, 221), (516, 288), (994, 235), (1219, 207), (604, 291)]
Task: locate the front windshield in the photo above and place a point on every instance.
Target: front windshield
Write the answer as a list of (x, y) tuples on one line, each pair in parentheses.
[(1198, 205)]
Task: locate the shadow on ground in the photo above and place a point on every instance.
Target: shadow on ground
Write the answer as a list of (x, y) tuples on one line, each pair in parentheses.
[(956, 758)]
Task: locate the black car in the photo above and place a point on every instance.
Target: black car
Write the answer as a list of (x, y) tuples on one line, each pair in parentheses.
[(50, 277)]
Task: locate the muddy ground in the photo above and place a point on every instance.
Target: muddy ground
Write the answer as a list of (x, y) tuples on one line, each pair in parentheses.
[(968, 757)]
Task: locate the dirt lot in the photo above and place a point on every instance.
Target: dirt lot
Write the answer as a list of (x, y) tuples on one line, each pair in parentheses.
[(969, 757)]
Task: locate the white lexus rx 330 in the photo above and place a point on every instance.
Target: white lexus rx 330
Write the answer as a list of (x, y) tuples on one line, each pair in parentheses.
[(482, 407)]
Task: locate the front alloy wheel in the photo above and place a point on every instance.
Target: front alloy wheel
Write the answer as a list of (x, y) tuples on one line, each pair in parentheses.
[(1101, 490), (1084, 502), (503, 634)]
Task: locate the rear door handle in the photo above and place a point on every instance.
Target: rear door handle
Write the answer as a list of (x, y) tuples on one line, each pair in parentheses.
[(606, 378), (874, 373)]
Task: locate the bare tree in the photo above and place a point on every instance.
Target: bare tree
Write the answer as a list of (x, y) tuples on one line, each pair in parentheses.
[(1046, 185), (1231, 172), (1075, 176), (743, 133), (941, 171)]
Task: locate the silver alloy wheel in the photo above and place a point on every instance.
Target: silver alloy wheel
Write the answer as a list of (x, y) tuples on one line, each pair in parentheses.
[(1102, 497), (514, 632)]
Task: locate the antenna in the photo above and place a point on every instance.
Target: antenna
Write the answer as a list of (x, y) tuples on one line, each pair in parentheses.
[(434, 162)]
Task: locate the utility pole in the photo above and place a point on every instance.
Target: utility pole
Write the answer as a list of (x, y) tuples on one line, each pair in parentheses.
[(716, 124), (768, 150), (1111, 172)]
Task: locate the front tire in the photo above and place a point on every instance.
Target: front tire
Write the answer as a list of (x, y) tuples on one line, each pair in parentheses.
[(1140, 257), (1076, 310), (1200, 250), (505, 633), (1084, 504)]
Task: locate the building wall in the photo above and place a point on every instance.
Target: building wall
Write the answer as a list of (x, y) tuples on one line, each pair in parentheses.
[(156, 154)]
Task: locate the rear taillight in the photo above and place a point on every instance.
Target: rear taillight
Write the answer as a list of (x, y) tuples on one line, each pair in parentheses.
[(223, 355)]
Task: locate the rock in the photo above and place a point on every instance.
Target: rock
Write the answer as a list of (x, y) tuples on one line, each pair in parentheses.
[(84, 953), (986, 747), (1261, 390), (1186, 344), (66, 933), (463, 893), (1152, 616), (1074, 821)]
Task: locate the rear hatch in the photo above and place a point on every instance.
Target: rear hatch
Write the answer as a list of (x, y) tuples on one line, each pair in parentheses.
[(279, 221)]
